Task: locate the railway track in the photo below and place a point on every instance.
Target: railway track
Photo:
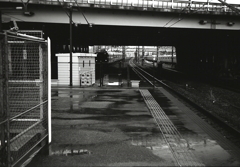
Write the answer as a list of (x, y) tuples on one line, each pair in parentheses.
[(155, 82), (215, 82), (177, 144), (215, 134), (145, 75)]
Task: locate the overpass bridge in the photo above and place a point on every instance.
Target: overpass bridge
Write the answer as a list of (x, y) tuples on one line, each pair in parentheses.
[(199, 29), (205, 33), (198, 6), (201, 14)]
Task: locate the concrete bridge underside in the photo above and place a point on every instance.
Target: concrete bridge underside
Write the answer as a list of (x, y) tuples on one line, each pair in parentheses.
[(194, 42), (116, 17)]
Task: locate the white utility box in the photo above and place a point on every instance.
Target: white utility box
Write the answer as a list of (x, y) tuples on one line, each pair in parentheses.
[(83, 69)]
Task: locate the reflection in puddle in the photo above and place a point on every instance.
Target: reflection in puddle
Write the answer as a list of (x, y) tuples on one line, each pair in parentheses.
[(67, 151), (156, 144), (149, 142), (202, 147)]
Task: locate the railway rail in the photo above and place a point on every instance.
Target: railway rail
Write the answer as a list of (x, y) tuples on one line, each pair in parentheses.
[(155, 83), (177, 144), (231, 84), (222, 139), (146, 75)]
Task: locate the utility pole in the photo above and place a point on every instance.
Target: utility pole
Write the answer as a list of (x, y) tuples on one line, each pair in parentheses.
[(70, 38), (172, 55), (68, 10), (1, 21), (138, 54)]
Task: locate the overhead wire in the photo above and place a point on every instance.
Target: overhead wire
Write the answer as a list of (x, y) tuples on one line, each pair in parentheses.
[(82, 12), (25, 4), (64, 9), (224, 3), (180, 19), (174, 17)]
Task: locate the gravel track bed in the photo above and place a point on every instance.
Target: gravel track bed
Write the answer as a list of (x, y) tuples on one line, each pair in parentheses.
[(220, 102)]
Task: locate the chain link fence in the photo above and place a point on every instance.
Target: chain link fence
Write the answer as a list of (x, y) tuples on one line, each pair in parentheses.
[(24, 96)]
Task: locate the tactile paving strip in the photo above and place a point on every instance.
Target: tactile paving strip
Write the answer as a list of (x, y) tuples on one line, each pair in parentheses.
[(178, 145)]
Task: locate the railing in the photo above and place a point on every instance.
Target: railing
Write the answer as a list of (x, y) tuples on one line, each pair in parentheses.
[(196, 6)]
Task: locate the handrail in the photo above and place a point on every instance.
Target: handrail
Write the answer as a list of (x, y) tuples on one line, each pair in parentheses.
[(26, 130), (12, 118), (4, 121)]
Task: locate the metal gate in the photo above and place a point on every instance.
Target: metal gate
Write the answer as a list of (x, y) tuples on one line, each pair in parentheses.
[(23, 96)]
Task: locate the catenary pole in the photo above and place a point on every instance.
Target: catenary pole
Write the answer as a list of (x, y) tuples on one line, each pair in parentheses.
[(70, 38)]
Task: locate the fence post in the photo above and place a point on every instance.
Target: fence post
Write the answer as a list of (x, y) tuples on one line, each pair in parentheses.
[(41, 83), (5, 101), (2, 113), (49, 92), (5, 114), (1, 78)]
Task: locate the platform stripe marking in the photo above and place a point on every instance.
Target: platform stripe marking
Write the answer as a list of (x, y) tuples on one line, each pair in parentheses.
[(177, 144)]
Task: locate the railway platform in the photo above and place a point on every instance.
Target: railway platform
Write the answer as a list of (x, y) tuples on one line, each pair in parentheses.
[(119, 126)]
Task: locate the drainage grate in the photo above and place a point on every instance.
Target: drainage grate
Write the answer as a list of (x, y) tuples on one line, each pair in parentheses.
[(178, 145)]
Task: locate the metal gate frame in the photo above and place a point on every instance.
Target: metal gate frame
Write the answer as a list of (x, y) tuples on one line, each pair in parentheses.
[(25, 94)]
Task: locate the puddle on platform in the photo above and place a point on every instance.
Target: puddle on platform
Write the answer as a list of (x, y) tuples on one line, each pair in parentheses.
[(66, 101), (156, 144), (212, 154), (107, 122)]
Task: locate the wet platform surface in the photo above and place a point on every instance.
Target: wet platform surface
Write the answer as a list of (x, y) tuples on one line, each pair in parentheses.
[(114, 127)]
